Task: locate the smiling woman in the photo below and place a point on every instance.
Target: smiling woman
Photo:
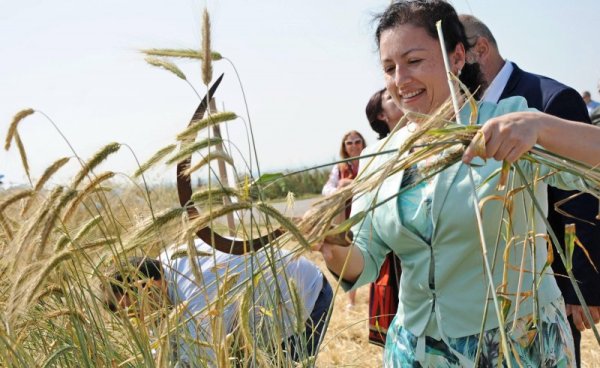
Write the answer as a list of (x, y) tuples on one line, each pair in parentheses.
[(342, 174), (431, 224), (410, 54)]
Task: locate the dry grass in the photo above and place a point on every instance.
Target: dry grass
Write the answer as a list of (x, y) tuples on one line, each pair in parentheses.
[(345, 343), (590, 352)]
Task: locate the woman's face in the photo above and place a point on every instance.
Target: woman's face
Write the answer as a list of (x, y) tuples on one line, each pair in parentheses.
[(354, 145), (390, 113), (414, 69)]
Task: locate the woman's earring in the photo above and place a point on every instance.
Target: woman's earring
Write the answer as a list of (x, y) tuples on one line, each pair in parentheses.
[(459, 71)]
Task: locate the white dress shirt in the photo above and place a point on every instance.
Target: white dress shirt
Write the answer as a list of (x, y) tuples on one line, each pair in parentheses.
[(493, 92), (273, 271)]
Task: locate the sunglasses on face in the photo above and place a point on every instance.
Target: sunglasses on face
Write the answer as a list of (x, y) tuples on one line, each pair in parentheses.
[(354, 142)]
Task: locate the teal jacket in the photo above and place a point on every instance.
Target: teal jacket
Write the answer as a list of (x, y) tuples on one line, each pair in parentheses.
[(454, 260)]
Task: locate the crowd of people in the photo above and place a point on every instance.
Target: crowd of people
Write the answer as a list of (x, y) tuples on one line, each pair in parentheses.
[(421, 253)]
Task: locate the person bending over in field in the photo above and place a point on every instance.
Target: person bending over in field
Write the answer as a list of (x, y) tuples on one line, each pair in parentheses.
[(271, 300)]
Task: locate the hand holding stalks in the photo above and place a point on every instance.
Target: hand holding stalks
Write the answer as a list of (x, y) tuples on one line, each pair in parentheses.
[(344, 261), (507, 137)]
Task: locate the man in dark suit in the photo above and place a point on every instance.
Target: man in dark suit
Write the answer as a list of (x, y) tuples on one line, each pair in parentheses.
[(505, 79)]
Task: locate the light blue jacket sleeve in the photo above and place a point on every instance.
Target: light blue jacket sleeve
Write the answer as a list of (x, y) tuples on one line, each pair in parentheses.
[(366, 239)]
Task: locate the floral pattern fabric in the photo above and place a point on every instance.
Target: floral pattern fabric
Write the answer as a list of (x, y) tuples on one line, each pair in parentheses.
[(546, 344)]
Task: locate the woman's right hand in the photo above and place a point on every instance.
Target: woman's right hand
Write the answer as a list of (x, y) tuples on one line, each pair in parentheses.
[(507, 137)]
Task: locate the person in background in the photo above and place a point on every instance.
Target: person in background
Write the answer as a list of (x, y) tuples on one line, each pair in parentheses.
[(342, 174), (431, 225), (172, 282), (595, 115), (589, 103), (383, 115), (506, 79)]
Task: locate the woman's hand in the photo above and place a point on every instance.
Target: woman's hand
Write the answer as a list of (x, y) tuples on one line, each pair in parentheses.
[(344, 182), (326, 249), (344, 261), (507, 137)]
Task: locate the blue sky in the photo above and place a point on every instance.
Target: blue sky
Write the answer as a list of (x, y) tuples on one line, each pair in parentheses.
[(308, 69)]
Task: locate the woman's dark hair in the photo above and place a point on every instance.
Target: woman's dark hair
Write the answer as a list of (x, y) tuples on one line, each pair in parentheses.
[(373, 109), (425, 14)]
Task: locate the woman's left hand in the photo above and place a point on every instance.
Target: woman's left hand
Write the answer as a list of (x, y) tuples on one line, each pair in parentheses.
[(507, 137)]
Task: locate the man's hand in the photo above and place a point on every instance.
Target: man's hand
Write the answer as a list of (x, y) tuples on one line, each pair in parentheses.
[(579, 318)]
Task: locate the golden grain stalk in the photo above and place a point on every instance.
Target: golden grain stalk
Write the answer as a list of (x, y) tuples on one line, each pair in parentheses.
[(50, 170), (206, 194), (213, 155), (12, 129), (161, 63), (159, 155), (90, 188), (182, 53), (22, 154), (53, 216), (198, 125), (186, 151), (206, 60), (96, 160)]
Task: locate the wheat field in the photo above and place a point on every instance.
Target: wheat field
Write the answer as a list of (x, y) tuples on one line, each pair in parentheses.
[(56, 240)]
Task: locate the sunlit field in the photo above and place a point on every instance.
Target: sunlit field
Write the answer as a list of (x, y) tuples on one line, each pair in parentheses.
[(59, 241)]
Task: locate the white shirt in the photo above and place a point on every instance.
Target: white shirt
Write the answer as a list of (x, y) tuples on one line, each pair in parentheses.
[(591, 106), (271, 300), (494, 91), (334, 178)]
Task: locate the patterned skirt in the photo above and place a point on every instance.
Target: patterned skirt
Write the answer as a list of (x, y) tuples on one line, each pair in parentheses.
[(547, 344)]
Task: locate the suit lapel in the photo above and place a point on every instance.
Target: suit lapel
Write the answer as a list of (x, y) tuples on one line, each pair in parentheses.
[(512, 83)]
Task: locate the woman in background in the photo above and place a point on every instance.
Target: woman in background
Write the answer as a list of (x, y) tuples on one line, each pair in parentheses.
[(342, 174), (383, 115)]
